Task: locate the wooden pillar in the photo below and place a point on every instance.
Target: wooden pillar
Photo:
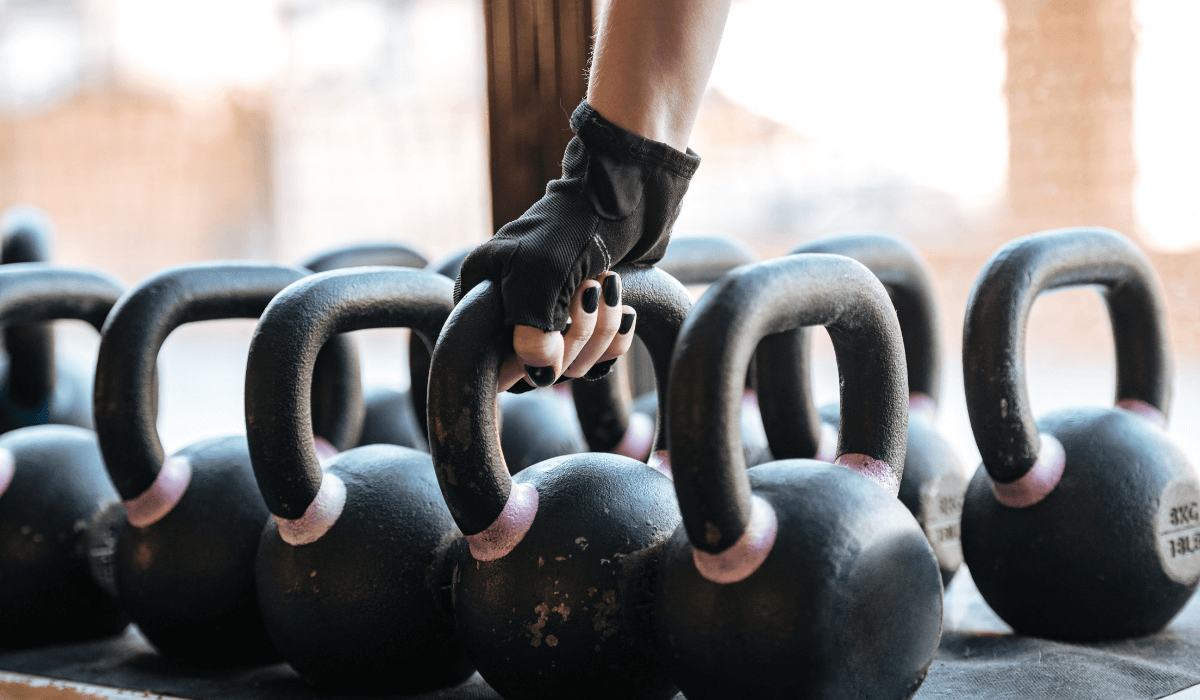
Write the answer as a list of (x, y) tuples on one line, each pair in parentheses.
[(1070, 109), (537, 52)]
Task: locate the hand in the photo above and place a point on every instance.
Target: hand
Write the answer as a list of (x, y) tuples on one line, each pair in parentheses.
[(600, 330)]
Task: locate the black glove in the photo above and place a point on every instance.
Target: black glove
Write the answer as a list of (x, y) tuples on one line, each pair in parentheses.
[(618, 197)]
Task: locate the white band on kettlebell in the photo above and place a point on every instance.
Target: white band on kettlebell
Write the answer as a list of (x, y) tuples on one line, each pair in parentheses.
[(1144, 410), (1039, 481), (639, 437), (661, 460), (320, 515), (162, 496), (876, 470), (922, 405), (8, 467), (325, 451), (509, 528), (748, 553), (827, 444)]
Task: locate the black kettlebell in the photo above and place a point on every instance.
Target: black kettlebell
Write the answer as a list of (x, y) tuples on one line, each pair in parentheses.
[(1085, 525), (184, 559), (934, 482), (352, 570), (393, 417), (35, 389), (52, 483), (535, 424), (552, 591), (795, 578), (610, 423)]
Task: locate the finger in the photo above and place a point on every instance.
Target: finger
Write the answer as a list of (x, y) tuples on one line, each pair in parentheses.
[(608, 321), (540, 352), (623, 340), (511, 372), (584, 306)]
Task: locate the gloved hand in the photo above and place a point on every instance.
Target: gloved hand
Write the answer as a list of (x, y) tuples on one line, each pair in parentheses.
[(618, 197)]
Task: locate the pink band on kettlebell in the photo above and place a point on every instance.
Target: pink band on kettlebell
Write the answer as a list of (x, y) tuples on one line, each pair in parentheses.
[(158, 500), (8, 467), (509, 528), (1144, 410), (639, 438), (325, 451), (923, 405), (661, 460), (748, 553), (827, 445), (1039, 481), (876, 470), (320, 515)]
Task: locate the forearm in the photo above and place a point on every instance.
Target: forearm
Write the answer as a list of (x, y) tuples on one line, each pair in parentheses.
[(652, 62)]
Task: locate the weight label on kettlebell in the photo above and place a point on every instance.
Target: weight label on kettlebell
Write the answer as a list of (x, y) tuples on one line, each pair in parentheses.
[(941, 511), (1178, 531)]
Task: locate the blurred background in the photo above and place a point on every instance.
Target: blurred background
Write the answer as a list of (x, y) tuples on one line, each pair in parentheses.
[(157, 132)]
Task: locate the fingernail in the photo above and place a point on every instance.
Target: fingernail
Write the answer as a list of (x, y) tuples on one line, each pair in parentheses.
[(600, 370), (612, 290), (590, 300), (540, 376), (626, 323)]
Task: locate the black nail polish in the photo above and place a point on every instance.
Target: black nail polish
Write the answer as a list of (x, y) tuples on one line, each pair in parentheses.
[(600, 370), (540, 376), (590, 301), (612, 290), (626, 323)]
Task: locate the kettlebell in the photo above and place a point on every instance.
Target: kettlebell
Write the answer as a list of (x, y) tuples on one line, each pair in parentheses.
[(934, 482), (393, 417), (1085, 524), (52, 482), (552, 591), (352, 569), (184, 559), (35, 389), (796, 578), (609, 421), (535, 424)]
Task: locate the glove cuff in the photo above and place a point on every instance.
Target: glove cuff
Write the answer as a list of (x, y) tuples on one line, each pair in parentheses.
[(603, 137)]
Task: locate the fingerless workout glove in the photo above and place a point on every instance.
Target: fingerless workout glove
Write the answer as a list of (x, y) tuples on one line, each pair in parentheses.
[(618, 197)]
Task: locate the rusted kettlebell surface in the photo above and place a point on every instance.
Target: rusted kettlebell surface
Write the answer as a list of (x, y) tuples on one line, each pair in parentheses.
[(552, 590), (393, 417), (352, 570), (1083, 525), (36, 388), (184, 560), (795, 578), (613, 423), (52, 482), (934, 481)]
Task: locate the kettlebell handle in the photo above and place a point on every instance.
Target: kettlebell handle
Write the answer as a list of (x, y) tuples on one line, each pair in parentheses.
[(366, 255), (32, 373), (279, 371), (34, 293), (715, 348), (994, 334), (466, 453), (125, 401)]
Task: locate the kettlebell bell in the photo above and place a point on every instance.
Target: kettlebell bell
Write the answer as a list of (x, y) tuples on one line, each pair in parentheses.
[(609, 421), (934, 483), (1085, 524), (352, 569), (552, 591), (795, 578), (184, 559), (35, 389), (393, 417), (52, 482)]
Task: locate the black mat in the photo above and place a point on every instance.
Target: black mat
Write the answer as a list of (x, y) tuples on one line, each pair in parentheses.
[(979, 658)]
